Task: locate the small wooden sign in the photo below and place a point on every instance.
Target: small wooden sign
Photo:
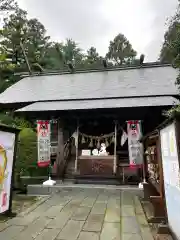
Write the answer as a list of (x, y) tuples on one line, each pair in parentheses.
[(86, 152)]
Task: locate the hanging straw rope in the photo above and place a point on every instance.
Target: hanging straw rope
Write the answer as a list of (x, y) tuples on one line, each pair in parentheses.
[(101, 137)]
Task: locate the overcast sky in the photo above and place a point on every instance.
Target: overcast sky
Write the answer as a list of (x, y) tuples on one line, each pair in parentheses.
[(96, 22)]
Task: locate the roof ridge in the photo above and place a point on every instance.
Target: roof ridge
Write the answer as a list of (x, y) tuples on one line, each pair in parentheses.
[(108, 69)]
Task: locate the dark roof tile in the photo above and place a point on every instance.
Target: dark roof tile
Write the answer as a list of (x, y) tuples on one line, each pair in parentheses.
[(106, 84), (100, 104)]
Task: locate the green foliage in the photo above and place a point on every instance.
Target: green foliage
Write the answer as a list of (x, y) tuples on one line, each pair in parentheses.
[(9, 119), (26, 162), (27, 152), (174, 111), (7, 5), (170, 48), (121, 51), (23, 38), (69, 52), (19, 29), (170, 53), (92, 55)]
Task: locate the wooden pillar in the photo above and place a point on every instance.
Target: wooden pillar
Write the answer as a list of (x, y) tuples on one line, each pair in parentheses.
[(60, 152), (115, 146), (76, 144), (161, 175)]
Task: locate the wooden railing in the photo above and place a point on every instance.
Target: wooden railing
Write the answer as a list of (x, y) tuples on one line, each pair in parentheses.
[(63, 164)]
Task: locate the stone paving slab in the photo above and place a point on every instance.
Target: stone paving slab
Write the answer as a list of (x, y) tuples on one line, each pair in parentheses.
[(113, 203), (24, 221), (48, 234), (81, 214), (130, 225), (53, 211), (111, 231), (146, 234), (33, 229), (92, 226), (113, 215), (88, 202), (71, 231), (128, 236), (11, 232), (60, 221), (88, 236), (99, 208), (95, 217), (128, 211), (3, 225)]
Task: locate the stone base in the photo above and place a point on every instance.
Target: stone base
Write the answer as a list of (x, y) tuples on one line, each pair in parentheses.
[(156, 220), (163, 229), (49, 182), (40, 190)]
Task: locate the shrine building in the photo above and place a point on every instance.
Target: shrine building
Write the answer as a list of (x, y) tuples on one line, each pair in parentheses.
[(91, 108)]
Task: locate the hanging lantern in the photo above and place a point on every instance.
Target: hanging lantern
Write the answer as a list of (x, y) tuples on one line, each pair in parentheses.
[(83, 140), (91, 143), (98, 144)]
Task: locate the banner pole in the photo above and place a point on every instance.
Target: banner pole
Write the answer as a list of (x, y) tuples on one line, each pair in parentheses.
[(143, 165), (47, 153), (77, 141), (115, 146)]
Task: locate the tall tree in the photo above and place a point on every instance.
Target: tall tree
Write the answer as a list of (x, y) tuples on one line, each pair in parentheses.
[(6, 72), (31, 33), (69, 52), (92, 55), (7, 5), (120, 50), (37, 42), (169, 51)]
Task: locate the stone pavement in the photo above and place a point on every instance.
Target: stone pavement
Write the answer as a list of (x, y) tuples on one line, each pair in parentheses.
[(86, 214)]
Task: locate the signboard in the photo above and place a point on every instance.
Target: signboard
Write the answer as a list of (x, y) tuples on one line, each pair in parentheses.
[(135, 147), (44, 149), (86, 152), (7, 144), (171, 173)]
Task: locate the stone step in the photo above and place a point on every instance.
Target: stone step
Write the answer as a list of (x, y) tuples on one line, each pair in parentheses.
[(40, 190), (98, 181)]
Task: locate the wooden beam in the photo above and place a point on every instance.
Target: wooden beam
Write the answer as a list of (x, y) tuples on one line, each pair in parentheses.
[(60, 153), (76, 144), (115, 146)]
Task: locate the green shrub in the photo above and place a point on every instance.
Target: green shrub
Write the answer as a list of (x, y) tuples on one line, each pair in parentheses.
[(9, 119), (26, 160)]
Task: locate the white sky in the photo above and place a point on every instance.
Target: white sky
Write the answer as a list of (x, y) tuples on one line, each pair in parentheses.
[(96, 22)]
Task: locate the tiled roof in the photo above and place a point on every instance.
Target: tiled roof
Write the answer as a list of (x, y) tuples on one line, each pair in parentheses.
[(100, 104), (119, 83)]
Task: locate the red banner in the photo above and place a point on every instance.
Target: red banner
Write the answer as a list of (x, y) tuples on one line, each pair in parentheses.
[(43, 135), (135, 147)]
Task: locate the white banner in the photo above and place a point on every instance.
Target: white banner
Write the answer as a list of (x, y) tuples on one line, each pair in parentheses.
[(134, 146), (7, 142), (171, 173), (124, 138), (44, 149)]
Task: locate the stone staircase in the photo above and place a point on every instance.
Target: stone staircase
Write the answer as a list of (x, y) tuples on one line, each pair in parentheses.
[(69, 170)]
